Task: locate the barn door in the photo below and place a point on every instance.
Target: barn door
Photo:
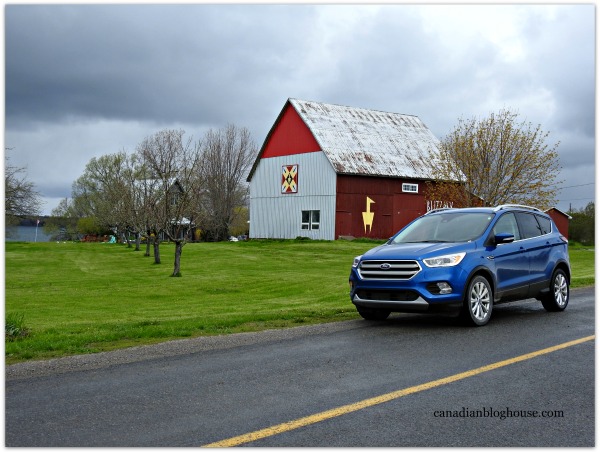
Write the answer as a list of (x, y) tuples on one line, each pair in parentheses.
[(406, 209), (344, 224)]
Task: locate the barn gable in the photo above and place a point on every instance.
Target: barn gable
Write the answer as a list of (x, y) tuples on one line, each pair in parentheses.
[(289, 136)]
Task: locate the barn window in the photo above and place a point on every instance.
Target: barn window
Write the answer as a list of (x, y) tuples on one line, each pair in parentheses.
[(311, 220), (410, 188)]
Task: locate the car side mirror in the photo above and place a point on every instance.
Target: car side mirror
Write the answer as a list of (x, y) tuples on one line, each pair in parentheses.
[(504, 238)]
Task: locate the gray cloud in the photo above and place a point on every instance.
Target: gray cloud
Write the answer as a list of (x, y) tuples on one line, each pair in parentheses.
[(151, 62), (87, 80)]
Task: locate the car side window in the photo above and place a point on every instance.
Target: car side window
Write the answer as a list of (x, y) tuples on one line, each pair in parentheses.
[(545, 224), (507, 224), (529, 226)]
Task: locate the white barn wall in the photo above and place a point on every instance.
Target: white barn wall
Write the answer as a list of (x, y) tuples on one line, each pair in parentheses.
[(274, 215)]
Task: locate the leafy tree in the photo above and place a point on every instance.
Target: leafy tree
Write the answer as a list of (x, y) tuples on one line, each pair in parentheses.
[(101, 191), (89, 225), (62, 223), (20, 197), (239, 225), (581, 225), (499, 159)]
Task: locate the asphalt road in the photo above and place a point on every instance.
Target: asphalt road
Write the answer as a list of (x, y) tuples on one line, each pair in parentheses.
[(202, 391)]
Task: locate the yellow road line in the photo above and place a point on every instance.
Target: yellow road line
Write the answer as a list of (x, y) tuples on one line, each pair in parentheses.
[(342, 410)]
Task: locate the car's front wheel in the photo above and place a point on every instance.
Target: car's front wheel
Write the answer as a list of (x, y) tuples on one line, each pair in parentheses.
[(478, 303), (557, 298), (373, 314)]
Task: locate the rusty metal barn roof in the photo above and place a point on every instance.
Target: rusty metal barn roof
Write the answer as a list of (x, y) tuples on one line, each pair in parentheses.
[(360, 141)]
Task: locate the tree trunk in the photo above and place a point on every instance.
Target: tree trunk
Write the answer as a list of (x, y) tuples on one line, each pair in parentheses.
[(177, 266), (138, 238), (223, 233), (156, 250), (126, 234), (148, 239)]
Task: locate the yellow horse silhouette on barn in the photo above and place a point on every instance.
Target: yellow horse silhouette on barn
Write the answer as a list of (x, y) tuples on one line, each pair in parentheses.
[(368, 216)]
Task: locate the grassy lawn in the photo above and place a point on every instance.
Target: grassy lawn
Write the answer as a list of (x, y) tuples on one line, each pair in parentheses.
[(88, 297), (582, 266)]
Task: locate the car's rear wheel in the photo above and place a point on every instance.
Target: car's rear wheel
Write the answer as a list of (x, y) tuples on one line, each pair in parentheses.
[(557, 298), (478, 303), (373, 314)]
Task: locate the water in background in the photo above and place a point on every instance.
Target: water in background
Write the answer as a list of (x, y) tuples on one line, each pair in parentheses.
[(25, 234)]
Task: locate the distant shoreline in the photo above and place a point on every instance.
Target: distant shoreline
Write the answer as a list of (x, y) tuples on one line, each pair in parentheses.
[(22, 233)]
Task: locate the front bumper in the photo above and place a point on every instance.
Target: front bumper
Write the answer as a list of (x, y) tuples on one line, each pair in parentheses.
[(418, 305), (410, 296)]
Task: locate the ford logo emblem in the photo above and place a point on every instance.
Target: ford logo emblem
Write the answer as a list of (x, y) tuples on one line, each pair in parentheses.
[(385, 266)]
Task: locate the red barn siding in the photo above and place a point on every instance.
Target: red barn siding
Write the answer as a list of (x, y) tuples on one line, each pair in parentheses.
[(392, 208), (561, 220), (290, 136)]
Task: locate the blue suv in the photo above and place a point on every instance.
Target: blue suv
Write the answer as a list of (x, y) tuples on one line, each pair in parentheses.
[(464, 261)]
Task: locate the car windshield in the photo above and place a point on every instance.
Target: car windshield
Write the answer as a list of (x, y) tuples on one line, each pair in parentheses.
[(446, 227)]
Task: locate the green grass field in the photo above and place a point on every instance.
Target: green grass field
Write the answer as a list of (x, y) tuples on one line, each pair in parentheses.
[(78, 298)]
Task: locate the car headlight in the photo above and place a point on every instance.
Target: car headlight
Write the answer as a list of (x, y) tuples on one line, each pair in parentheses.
[(356, 261), (445, 260)]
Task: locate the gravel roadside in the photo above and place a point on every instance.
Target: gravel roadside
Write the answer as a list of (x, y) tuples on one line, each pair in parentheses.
[(83, 362)]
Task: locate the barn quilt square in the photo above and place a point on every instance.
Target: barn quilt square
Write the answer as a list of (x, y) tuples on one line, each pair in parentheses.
[(289, 179)]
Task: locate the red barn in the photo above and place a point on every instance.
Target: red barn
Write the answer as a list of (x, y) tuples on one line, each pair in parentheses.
[(326, 171), (561, 220)]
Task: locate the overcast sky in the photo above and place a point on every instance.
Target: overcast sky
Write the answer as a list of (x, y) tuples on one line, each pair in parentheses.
[(83, 81)]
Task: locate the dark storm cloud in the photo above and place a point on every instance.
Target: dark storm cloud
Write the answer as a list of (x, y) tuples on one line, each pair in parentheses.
[(561, 62), (564, 64), (186, 63)]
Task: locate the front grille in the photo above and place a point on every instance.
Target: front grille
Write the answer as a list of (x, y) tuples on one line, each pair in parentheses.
[(388, 270)]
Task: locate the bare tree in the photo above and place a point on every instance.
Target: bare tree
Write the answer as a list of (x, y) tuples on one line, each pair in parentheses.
[(149, 191), (173, 164), (500, 160), (136, 195), (64, 208), (20, 197), (227, 156)]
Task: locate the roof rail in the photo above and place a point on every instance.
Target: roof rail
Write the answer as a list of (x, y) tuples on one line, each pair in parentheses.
[(504, 206), (438, 210)]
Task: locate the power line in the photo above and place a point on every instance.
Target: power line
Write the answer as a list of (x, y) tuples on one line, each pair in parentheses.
[(579, 185), (578, 199)]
